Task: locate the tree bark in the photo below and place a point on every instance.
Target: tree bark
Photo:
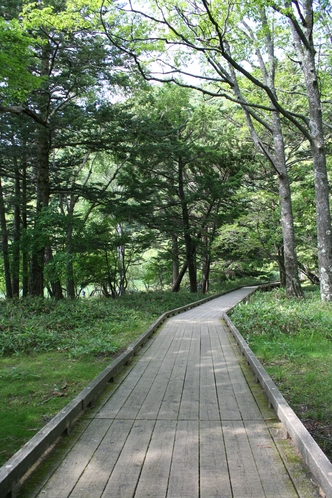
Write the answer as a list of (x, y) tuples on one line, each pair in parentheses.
[(16, 236), (175, 259), (42, 200), (278, 160), (206, 263), (43, 147), (292, 280), (304, 43), (282, 269), (25, 254), (5, 248), (176, 285), (190, 247)]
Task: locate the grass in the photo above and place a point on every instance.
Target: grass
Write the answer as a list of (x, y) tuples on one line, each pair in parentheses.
[(293, 340), (34, 389), (49, 351)]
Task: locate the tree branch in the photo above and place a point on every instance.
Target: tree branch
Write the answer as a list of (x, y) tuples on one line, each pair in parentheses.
[(19, 110)]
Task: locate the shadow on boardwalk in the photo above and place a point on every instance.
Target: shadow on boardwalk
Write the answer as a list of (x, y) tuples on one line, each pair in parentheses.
[(184, 419)]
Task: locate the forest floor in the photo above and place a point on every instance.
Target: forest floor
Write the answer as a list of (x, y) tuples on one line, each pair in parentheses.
[(50, 351)]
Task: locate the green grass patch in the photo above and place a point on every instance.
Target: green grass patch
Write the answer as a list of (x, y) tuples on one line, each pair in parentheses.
[(293, 340), (33, 390)]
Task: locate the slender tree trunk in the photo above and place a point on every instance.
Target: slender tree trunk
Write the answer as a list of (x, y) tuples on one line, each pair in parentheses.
[(70, 283), (176, 285), (175, 259), (56, 289), (42, 195), (303, 41), (25, 253), (277, 160), (16, 236), (206, 263), (205, 273), (43, 147), (5, 248), (282, 269), (289, 274), (122, 266), (292, 280), (190, 247)]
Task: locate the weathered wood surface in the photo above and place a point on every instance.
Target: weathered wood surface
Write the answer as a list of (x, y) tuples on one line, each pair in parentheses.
[(181, 422)]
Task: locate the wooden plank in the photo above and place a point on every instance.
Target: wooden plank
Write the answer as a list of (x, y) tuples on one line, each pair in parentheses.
[(214, 477), (146, 365), (167, 451), (184, 475), (170, 406), (228, 407), (273, 474), (247, 405), (152, 402), (244, 476), (124, 477), (209, 406), (93, 481), (189, 407), (135, 401), (65, 478), (153, 481)]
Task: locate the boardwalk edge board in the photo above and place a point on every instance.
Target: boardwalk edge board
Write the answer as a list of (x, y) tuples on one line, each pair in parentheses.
[(313, 456), (15, 469)]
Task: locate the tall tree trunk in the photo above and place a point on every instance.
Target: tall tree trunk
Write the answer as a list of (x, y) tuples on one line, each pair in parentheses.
[(304, 43), (206, 263), (25, 252), (42, 198), (175, 259), (56, 289), (43, 147), (122, 265), (70, 281), (292, 280), (5, 248), (277, 160), (190, 247), (16, 236), (176, 285)]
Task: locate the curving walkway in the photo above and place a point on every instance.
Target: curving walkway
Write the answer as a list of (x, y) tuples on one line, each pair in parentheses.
[(182, 421)]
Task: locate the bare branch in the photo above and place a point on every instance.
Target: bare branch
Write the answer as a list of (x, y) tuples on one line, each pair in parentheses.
[(19, 110)]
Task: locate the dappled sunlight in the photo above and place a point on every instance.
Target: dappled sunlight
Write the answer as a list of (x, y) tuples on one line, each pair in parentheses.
[(182, 422)]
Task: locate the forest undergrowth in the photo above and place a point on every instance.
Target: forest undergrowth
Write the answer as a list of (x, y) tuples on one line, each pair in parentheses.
[(293, 340)]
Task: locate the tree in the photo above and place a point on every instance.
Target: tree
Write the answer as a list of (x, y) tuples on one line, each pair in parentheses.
[(68, 58), (181, 175), (208, 29)]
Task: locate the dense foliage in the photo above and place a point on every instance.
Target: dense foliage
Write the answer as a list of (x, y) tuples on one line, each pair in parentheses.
[(110, 183)]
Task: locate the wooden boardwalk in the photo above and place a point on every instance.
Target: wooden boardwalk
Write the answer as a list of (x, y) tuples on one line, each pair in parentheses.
[(181, 421)]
